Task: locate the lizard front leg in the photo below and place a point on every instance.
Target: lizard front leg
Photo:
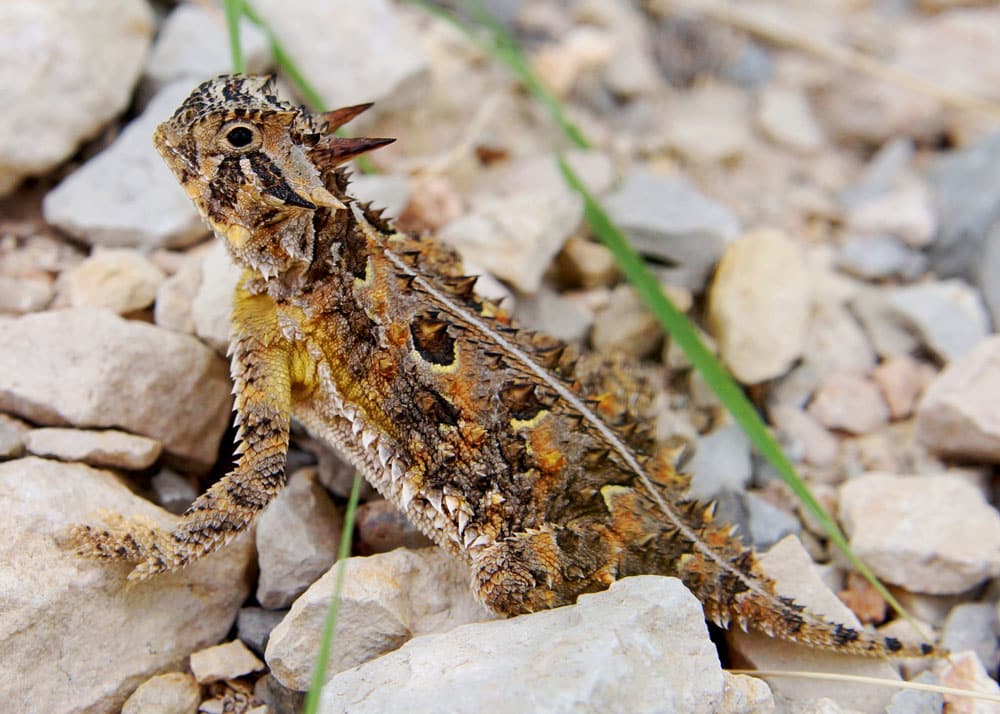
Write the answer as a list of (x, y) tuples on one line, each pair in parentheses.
[(260, 371)]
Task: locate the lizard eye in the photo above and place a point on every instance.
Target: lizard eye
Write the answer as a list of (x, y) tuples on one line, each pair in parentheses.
[(240, 136)]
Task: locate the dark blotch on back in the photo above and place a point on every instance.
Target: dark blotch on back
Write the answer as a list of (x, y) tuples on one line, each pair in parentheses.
[(521, 400), (431, 339)]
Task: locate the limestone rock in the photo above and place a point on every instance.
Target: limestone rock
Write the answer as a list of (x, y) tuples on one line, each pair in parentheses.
[(212, 307), (850, 402), (297, 539), (387, 599), (174, 298), (797, 577), (721, 462), (225, 661), (759, 305), (928, 534), (949, 316), (192, 45), (640, 646), (57, 610), (374, 45), (116, 449), (66, 68), (963, 670), (626, 324), (958, 415), (901, 380), (173, 693), (254, 626), (785, 117), (126, 195), (20, 295), (119, 280), (974, 626), (90, 368)]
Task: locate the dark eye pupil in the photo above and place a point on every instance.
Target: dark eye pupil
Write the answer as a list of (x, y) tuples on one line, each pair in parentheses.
[(240, 136)]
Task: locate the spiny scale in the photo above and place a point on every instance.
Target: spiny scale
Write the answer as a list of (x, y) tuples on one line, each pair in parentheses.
[(498, 443)]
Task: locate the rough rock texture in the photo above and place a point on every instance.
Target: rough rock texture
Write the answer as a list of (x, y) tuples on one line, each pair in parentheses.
[(112, 448), (959, 414), (798, 577), (226, 661), (212, 306), (58, 611), (373, 45), (640, 646), (387, 599), (297, 539), (759, 305), (126, 196), (119, 280), (850, 402), (66, 68), (173, 693), (90, 368), (929, 534)]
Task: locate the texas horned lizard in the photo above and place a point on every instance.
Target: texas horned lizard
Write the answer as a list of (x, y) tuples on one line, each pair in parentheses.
[(479, 431)]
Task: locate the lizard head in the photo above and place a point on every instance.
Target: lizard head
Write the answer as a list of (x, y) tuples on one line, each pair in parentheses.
[(254, 167)]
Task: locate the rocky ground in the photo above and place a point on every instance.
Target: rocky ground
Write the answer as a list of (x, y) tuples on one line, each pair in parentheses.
[(837, 238)]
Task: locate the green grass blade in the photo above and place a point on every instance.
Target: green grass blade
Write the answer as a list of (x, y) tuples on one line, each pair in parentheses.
[(330, 624), (234, 10), (306, 88)]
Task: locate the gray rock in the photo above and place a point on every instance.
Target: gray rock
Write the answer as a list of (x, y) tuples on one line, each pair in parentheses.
[(721, 461), (958, 414), (974, 626), (373, 45), (885, 328), (759, 305), (119, 280), (880, 256), (297, 539), (835, 342), (912, 701), (965, 216), (278, 697), (126, 196), (192, 44), (949, 317), (988, 269), (666, 218), (384, 191), (254, 625), (768, 523), (904, 211), (172, 492), (173, 693), (382, 528), (928, 534), (116, 449), (90, 368), (881, 173), (68, 67), (57, 610), (387, 599), (640, 646), (555, 314)]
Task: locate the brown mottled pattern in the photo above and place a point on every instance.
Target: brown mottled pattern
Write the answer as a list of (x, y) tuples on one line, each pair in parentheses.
[(533, 472)]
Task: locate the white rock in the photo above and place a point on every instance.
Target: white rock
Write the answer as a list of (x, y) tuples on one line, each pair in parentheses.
[(113, 448), (384, 191), (785, 117), (192, 44), (796, 576), (226, 661), (665, 217), (126, 195), (175, 297), (57, 610), (759, 305), (836, 342), (928, 534), (708, 124), (565, 316), (173, 693), (90, 368), (963, 670), (66, 68), (850, 402), (905, 211), (901, 380), (20, 295), (212, 307), (117, 279), (515, 237), (818, 445), (626, 324), (297, 540), (886, 331), (640, 646), (949, 316), (387, 599), (374, 46), (959, 415), (873, 257)]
